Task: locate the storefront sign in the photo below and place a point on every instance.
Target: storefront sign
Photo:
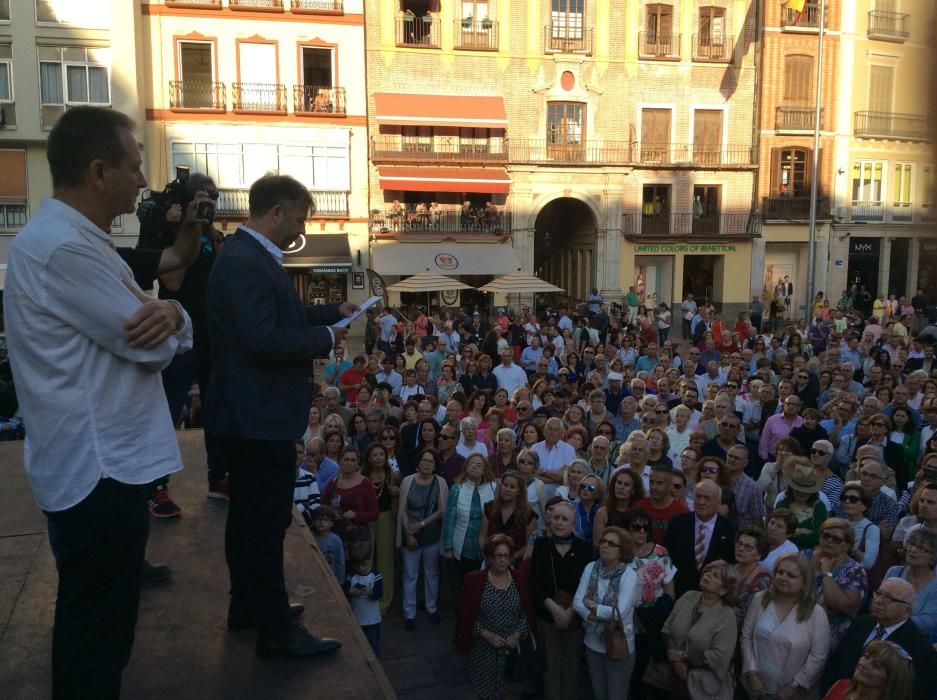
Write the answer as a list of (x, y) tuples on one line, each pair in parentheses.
[(928, 245), (445, 261), (330, 269), (701, 248)]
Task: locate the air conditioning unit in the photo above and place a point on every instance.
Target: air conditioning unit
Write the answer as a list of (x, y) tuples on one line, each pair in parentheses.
[(49, 114)]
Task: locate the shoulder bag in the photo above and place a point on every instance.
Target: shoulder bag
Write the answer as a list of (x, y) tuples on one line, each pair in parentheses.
[(616, 644)]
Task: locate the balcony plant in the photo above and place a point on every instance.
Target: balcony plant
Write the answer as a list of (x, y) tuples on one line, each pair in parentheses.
[(486, 23), (467, 22)]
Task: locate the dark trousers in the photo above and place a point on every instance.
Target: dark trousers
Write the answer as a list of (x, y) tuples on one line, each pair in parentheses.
[(686, 330), (262, 474), (98, 546), (373, 635)]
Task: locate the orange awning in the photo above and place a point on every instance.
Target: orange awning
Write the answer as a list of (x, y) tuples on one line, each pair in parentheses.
[(426, 179), (440, 110)]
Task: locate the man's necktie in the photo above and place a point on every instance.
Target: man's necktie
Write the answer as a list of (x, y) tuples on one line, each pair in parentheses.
[(700, 546)]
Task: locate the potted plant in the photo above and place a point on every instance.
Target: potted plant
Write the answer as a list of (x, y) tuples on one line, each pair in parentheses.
[(467, 22), (486, 23)]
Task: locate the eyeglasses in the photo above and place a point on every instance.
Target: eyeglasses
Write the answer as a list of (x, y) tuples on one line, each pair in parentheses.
[(588, 487), (822, 453), (639, 527), (850, 499), (526, 461), (727, 424), (918, 547), (711, 470), (732, 385), (609, 542), (835, 539), (661, 412), (745, 546), (891, 599)]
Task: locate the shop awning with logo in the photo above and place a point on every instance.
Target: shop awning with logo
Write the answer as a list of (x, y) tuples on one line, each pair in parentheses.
[(440, 110), (431, 179), (452, 259), (320, 253)]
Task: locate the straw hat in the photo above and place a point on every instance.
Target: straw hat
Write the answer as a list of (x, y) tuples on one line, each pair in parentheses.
[(805, 479)]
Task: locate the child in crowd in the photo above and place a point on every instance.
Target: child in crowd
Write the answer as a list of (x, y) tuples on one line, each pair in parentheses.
[(364, 587), (306, 495), (330, 544)]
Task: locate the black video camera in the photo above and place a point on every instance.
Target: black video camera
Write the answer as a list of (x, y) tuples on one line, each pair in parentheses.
[(155, 232)]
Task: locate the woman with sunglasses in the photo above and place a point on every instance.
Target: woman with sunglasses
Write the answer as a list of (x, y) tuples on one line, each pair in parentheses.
[(840, 580), (785, 639), (854, 504), (625, 488), (920, 548), (884, 671), (575, 472), (591, 495)]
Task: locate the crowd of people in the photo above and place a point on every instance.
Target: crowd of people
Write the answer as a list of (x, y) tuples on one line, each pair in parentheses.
[(751, 511)]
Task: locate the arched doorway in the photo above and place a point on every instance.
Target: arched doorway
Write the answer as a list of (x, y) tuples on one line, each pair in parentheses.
[(565, 246)]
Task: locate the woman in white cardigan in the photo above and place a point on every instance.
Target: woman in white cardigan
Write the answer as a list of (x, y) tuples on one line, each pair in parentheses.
[(422, 505), (786, 635), (608, 585)]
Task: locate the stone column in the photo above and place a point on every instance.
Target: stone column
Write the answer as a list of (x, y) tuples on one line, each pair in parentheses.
[(756, 280), (884, 265), (609, 244)]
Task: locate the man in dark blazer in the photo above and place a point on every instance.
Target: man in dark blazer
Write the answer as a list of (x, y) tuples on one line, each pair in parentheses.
[(890, 620), (262, 341), (713, 534)]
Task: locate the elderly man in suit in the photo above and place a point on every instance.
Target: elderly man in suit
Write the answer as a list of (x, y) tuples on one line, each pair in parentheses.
[(890, 621), (695, 539), (262, 341)]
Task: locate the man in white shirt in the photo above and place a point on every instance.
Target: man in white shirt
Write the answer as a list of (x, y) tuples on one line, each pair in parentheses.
[(87, 347), (555, 454), (509, 375), (390, 376)]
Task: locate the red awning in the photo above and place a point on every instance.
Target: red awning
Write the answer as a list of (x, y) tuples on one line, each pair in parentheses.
[(479, 180), (440, 110)]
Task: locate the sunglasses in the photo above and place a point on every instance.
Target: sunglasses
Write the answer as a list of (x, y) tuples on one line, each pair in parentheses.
[(639, 527), (711, 470), (609, 542), (662, 412), (525, 461), (821, 453), (850, 499), (732, 386), (835, 539), (588, 487)]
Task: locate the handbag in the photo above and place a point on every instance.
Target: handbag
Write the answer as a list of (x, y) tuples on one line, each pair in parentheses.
[(524, 662), (563, 598), (704, 684), (616, 644)]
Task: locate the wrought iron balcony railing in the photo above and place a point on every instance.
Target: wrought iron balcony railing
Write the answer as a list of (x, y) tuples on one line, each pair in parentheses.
[(567, 39), (409, 220), (709, 50), (784, 208), (796, 118), (329, 204), (418, 32), (632, 153), (258, 97), (309, 99), (476, 36), (202, 4), (681, 225), (439, 149), (196, 94), (808, 20), (888, 26), (658, 47), (256, 5), (891, 125), (318, 6)]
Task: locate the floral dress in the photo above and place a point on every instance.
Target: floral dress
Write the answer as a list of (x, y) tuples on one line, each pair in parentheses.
[(653, 572), (500, 612), (851, 577)]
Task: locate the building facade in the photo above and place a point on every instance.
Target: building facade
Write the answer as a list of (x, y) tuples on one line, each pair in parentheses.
[(883, 235), (55, 54), (240, 88), (596, 144)]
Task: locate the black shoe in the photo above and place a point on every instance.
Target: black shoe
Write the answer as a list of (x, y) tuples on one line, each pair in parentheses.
[(434, 618), (155, 573), (239, 621), (295, 642), (409, 624)]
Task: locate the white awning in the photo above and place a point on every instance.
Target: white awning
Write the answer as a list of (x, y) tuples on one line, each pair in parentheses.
[(452, 259)]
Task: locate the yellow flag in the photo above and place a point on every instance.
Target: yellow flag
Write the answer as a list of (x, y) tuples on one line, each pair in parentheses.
[(796, 5)]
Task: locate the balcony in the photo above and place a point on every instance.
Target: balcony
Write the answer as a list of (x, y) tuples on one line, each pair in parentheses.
[(476, 36), (196, 94), (888, 26), (806, 21), (708, 50), (684, 225), (418, 32), (257, 5), (894, 213), (796, 119), (658, 47), (202, 4), (13, 216), (232, 202), (566, 39), (446, 221), (318, 7), (891, 125), (672, 155), (439, 149), (785, 208), (258, 97), (312, 100)]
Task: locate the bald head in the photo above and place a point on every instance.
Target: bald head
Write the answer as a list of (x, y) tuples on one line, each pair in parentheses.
[(707, 496), (893, 603)]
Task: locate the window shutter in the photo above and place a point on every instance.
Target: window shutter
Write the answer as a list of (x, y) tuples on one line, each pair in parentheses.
[(881, 80), (798, 80)]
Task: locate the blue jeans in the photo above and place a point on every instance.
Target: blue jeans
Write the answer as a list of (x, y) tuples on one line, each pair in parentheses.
[(373, 634)]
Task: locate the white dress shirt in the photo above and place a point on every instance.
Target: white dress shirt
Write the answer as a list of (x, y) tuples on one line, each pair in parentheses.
[(510, 377), (94, 406), (554, 459)]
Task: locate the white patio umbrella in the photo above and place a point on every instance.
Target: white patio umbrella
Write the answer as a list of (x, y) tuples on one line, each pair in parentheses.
[(520, 283), (428, 282)]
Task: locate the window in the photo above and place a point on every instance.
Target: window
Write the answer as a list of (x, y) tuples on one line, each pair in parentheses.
[(566, 19), (659, 24), (80, 13), (565, 126), (706, 201), (927, 185), (655, 210), (473, 141), (74, 76), (6, 73), (477, 10), (868, 178), (195, 87), (417, 139), (881, 82), (655, 135), (4, 10), (236, 166), (318, 69), (707, 136), (901, 187), (712, 26), (798, 80), (790, 176)]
